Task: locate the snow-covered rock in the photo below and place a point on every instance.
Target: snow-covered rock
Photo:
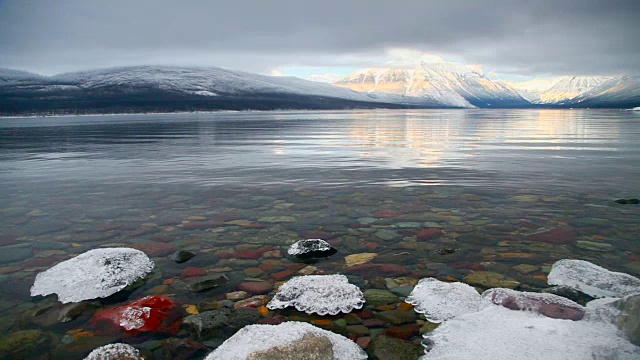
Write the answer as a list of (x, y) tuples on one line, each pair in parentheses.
[(321, 294), (440, 301), (94, 274), (254, 339), (592, 279), (311, 248), (570, 87), (496, 332), (550, 305), (114, 352)]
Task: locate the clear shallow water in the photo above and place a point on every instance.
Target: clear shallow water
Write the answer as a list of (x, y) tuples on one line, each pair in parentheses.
[(368, 180)]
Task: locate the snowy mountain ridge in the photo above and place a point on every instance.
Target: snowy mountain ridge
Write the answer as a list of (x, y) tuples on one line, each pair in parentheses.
[(446, 83)]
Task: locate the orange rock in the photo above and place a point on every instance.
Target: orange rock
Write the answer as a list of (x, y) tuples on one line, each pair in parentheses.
[(599, 237), (450, 278), (168, 281), (82, 334), (321, 321), (385, 307), (263, 310), (405, 306), (191, 309), (541, 277), (521, 255)]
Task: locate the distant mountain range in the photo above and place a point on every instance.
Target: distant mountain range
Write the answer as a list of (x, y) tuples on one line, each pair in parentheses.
[(165, 88)]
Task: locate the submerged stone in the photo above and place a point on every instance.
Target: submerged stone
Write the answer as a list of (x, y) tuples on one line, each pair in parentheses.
[(592, 279), (549, 305), (152, 313), (489, 279), (94, 274), (321, 294), (310, 249), (207, 283), (182, 256), (287, 341)]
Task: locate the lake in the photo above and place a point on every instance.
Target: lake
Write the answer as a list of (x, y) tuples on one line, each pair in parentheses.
[(425, 193)]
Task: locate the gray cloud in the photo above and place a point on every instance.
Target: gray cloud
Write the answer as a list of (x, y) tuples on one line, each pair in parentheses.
[(525, 37)]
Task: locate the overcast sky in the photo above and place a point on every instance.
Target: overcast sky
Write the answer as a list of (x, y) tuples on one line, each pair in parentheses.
[(510, 37)]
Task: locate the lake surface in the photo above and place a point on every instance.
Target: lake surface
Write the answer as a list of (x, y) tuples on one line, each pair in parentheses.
[(438, 193)]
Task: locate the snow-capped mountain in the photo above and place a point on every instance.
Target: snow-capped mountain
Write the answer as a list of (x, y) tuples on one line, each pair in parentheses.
[(445, 83), (617, 92), (166, 88), (569, 87)]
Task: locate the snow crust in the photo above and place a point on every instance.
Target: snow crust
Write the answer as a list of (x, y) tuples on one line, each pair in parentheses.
[(321, 294), (114, 352), (94, 274), (254, 338), (440, 301), (592, 279), (498, 333), (134, 318), (308, 245)]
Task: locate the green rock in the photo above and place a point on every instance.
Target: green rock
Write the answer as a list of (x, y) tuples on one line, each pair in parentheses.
[(595, 246), (377, 297), (21, 343), (490, 279), (358, 330), (388, 348), (277, 219), (387, 235), (403, 291), (353, 319), (396, 317), (629, 320)]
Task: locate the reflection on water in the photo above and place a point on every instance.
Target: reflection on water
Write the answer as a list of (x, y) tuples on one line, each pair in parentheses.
[(451, 191)]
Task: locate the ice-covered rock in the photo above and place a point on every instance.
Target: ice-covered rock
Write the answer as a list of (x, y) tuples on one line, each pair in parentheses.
[(549, 305), (592, 279), (499, 333), (114, 352), (440, 300), (311, 248), (322, 294), (255, 339), (155, 313), (94, 274)]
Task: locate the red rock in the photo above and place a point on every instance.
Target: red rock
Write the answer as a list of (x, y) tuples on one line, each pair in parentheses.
[(155, 313), (363, 342), (476, 267), (371, 246), (393, 270), (318, 234), (248, 254), (273, 320), (365, 314), (6, 239), (274, 254), (199, 225), (43, 262), (225, 255), (385, 213), (142, 230), (154, 249), (405, 332), (266, 248), (429, 233), (282, 275), (192, 272), (252, 302), (256, 287), (561, 235)]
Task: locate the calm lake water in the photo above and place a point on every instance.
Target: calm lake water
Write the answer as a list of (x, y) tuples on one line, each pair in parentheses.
[(438, 193)]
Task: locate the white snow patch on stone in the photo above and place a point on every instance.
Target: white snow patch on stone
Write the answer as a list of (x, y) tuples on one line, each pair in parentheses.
[(308, 245), (94, 274), (254, 338), (134, 318), (440, 301), (592, 279), (322, 294), (499, 333), (114, 352)]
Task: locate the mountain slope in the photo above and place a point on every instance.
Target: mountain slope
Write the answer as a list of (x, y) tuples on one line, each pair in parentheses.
[(164, 88), (620, 92), (448, 84), (570, 87)]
